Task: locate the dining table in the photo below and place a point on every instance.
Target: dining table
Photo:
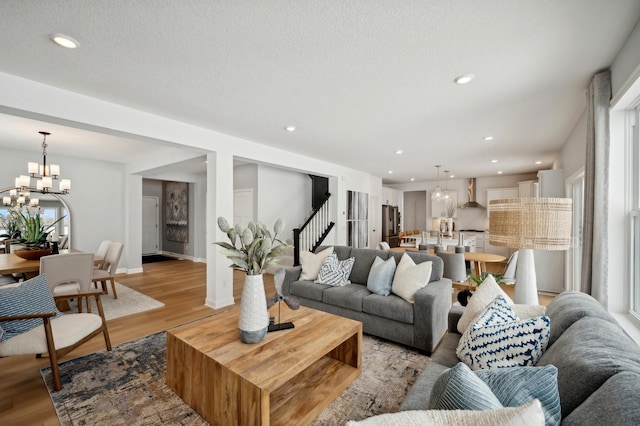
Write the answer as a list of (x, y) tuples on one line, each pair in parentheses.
[(479, 259), (12, 264)]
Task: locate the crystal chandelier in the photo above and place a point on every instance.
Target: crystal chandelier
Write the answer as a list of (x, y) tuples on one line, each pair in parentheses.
[(437, 193), (39, 179)]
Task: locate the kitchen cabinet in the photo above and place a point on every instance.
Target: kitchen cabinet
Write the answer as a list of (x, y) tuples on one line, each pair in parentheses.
[(551, 183), (440, 208), (499, 194), (390, 196), (528, 189)]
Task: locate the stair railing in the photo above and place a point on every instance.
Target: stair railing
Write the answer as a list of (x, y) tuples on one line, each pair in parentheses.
[(311, 234)]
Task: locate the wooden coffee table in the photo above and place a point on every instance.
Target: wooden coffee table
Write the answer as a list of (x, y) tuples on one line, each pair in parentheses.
[(287, 379)]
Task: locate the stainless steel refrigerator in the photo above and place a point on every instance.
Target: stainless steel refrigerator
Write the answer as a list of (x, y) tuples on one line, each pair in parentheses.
[(390, 225)]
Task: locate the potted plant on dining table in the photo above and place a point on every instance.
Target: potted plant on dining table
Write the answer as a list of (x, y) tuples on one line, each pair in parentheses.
[(34, 231)]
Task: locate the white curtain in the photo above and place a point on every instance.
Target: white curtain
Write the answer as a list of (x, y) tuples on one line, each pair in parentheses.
[(595, 237)]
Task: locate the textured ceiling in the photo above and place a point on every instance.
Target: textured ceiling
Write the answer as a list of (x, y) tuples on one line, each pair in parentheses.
[(358, 79)]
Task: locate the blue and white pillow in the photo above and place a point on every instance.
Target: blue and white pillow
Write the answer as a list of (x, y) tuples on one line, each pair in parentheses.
[(335, 272), (30, 297), (496, 340)]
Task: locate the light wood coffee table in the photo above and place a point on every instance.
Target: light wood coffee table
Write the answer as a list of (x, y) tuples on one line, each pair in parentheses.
[(287, 379)]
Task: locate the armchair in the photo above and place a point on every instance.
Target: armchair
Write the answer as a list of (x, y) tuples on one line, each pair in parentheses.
[(30, 323)]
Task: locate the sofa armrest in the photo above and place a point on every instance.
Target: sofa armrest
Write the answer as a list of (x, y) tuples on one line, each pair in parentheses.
[(290, 275), (431, 310), (454, 316)]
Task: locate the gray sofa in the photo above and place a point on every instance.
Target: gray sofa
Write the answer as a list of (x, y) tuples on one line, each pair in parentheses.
[(598, 363), (420, 325)]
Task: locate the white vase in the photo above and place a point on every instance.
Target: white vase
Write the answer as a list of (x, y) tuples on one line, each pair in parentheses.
[(253, 321), (450, 226)]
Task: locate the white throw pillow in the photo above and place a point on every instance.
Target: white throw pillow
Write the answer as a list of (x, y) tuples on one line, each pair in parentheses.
[(530, 414), (529, 311), (485, 294), (410, 277), (311, 263)]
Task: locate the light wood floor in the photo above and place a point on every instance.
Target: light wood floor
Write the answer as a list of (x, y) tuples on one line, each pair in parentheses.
[(180, 285)]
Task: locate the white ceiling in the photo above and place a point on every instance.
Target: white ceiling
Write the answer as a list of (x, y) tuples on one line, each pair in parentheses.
[(359, 79)]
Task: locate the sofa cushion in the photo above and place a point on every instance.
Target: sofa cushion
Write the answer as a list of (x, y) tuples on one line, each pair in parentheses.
[(458, 388), (569, 307), (485, 294), (363, 263), (308, 290), (349, 296), (530, 415), (409, 278), (391, 307), (335, 272), (343, 252), (496, 340), (587, 354), (516, 386), (381, 276), (614, 403), (312, 262)]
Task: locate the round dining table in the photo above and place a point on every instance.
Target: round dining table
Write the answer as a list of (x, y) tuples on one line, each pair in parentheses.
[(479, 259)]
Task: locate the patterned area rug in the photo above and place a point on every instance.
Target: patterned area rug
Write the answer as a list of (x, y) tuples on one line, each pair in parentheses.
[(128, 302), (127, 386)]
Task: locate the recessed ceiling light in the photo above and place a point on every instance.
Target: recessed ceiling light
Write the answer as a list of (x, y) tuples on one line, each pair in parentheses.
[(399, 151), (412, 179), (390, 172), (494, 161), (290, 128), (463, 79), (488, 138), (65, 41), (499, 172), (538, 162)]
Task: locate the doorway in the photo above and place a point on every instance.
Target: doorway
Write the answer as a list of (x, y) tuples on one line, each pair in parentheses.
[(242, 207), (150, 225)]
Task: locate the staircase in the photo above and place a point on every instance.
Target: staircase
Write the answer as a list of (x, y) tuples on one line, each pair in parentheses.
[(310, 235)]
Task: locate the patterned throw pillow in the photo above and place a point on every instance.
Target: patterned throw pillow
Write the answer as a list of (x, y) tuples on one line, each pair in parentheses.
[(335, 272), (485, 294), (495, 340), (30, 297)]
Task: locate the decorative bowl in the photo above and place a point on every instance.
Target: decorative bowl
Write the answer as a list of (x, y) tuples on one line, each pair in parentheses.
[(32, 254)]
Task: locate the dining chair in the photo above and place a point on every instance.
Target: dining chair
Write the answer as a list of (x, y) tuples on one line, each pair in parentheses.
[(69, 274), (31, 323), (109, 267), (454, 267), (101, 253)]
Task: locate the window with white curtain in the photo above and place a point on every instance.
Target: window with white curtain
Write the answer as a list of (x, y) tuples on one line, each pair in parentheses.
[(634, 184)]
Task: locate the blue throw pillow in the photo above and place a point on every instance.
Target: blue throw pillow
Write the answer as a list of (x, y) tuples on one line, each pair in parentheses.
[(335, 272), (516, 386), (458, 388), (30, 297), (381, 276)]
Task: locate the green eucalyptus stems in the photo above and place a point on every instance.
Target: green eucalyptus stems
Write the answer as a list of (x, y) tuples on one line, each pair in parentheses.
[(257, 249)]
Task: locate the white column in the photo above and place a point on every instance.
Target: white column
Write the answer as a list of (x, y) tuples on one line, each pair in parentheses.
[(219, 203), (133, 224)]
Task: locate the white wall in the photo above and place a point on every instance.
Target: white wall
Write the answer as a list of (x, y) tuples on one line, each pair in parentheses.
[(574, 150)]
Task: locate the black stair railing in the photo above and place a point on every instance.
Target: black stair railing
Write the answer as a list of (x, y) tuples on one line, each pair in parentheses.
[(313, 232)]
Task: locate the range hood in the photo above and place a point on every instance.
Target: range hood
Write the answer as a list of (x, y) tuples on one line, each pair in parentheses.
[(471, 191)]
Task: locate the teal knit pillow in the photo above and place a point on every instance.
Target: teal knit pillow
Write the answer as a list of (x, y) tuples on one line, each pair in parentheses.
[(458, 388)]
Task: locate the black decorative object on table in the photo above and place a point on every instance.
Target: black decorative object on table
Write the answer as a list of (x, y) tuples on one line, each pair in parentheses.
[(463, 297), (292, 303)]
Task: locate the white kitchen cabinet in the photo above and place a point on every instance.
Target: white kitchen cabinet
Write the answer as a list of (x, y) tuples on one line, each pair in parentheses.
[(499, 194), (390, 196), (528, 189), (439, 208)]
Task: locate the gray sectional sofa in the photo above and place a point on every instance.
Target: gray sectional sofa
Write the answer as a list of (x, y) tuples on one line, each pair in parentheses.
[(598, 363), (420, 325)]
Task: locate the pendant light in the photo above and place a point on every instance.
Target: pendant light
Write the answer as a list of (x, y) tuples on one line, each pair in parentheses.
[(436, 194)]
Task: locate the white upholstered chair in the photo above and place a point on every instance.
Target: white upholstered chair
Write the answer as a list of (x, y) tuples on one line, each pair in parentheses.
[(101, 253), (109, 267), (69, 274), (31, 324)]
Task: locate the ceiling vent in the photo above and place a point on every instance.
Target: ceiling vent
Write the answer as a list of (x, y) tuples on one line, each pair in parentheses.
[(471, 191)]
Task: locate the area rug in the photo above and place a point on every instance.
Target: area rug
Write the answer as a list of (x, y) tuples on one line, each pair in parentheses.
[(128, 386), (128, 302)]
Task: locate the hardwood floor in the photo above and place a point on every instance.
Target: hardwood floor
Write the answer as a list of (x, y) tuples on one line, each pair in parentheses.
[(180, 285)]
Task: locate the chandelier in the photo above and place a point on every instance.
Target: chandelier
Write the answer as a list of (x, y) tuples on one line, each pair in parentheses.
[(39, 179), (437, 194)]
